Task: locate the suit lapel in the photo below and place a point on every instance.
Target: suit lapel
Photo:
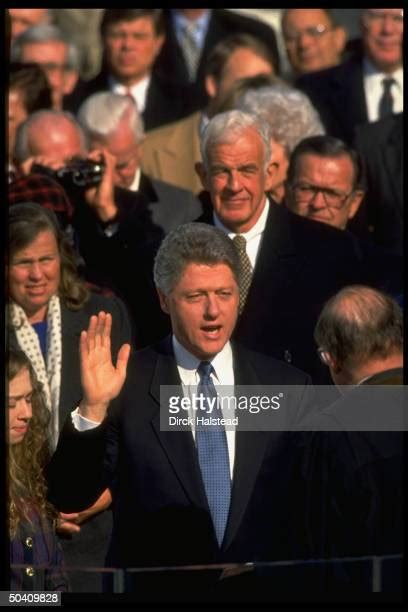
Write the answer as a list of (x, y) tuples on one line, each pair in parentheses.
[(250, 449), (72, 322), (391, 155), (178, 446)]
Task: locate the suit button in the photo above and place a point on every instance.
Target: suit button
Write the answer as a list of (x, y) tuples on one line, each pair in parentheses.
[(287, 355), (29, 542), (30, 571)]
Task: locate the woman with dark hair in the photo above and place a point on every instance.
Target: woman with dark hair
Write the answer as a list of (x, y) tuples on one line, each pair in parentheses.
[(30, 516), (48, 307)]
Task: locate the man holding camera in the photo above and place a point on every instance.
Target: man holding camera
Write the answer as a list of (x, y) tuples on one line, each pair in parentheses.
[(115, 227)]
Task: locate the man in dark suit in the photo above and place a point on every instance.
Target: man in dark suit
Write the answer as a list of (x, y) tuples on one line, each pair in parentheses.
[(211, 26), (359, 439), (366, 87), (161, 484), (132, 39), (381, 214), (295, 264)]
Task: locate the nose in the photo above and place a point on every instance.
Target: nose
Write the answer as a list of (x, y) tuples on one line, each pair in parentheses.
[(25, 410), (388, 26), (212, 309), (318, 202), (304, 39), (35, 271), (233, 181)]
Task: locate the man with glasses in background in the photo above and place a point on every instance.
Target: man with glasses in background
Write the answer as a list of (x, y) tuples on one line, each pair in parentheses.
[(368, 86), (313, 39)]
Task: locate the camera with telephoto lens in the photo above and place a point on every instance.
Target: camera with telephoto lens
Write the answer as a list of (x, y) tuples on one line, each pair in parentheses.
[(79, 173)]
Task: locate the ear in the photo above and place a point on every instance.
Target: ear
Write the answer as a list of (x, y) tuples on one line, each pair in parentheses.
[(163, 301), (355, 203), (210, 86), (340, 38), (202, 174), (270, 175)]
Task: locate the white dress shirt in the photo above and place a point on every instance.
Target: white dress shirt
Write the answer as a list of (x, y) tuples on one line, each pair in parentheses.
[(138, 91), (373, 89), (223, 376), (253, 237)]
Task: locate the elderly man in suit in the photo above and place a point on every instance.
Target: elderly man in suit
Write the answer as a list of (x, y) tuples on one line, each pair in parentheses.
[(176, 500), (369, 85), (292, 264)]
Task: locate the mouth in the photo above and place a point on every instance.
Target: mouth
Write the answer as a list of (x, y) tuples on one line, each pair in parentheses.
[(36, 289), (212, 332)]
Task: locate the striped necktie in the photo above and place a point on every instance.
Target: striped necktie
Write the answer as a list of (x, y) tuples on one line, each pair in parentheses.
[(190, 49), (246, 270)]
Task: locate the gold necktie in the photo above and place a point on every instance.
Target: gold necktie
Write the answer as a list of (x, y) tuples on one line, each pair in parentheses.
[(246, 270)]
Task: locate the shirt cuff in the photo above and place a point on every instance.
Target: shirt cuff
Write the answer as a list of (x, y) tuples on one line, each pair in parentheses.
[(81, 423)]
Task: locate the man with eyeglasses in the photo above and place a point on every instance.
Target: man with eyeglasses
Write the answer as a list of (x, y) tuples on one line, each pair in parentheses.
[(312, 38), (324, 181), (369, 85)]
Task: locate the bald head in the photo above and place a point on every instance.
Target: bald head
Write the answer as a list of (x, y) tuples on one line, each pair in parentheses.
[(52, 134)]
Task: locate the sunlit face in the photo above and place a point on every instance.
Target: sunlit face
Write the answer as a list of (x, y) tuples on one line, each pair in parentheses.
[(382, 37), (237, 180), (19, 406), (17, 113), (131, 48), (51, 55), (336, 175), (279, 158), (24, 18), (203, 308), (312, 43), (34, 275)]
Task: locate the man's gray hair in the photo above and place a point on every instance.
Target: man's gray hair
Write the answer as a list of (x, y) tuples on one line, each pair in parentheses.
[(288, 111), (102, 112), (360, 323), (23, 149), (193, 243), (226, 127), (41, 33)]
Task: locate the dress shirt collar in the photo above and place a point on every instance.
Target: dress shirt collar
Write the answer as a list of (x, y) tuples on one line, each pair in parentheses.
[(136, 181), (251, 234), (187, 364), (371, 73), (180, 22), (138, 91)]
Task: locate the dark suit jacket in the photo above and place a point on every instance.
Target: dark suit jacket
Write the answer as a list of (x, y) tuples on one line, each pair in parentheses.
[(338, 95), (124, 261), (165, 100), (300, 264), (381, 212), (222, 23), (161, 515)]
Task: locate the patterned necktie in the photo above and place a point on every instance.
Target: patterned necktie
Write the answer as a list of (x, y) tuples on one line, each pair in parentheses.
[(246, 270), (385, 106), (212, 448), (190, 49)]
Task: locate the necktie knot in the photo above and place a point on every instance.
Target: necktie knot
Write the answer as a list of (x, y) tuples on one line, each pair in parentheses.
[(386, 102), (240, 243), (204, 371), (388, 82)]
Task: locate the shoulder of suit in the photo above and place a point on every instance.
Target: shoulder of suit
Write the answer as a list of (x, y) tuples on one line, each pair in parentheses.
[(265, 364), (339, 72), (166, 189)]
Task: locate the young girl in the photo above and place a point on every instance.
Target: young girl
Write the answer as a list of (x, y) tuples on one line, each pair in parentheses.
[(35, 556)]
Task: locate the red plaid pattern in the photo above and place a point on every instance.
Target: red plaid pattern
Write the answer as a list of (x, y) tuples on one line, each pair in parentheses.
[(43, 190)]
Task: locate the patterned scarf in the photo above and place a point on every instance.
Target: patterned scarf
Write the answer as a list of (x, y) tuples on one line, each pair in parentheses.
[(48, 374)]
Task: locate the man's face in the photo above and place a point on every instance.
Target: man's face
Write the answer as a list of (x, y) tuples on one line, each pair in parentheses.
[(242, 63), (123, 146), (57, 141), (203, 308), (237, 180), (19, 406), (382, 31), (131, 48), (322, 189), (51, 55), (24, 18), (311, 41), (34, 275)]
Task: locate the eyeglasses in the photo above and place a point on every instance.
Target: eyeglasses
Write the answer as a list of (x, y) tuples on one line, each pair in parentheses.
[(313, 31), (376, 16), (332, 198), (324, 356)]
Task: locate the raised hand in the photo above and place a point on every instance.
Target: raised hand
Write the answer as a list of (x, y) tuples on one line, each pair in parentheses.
[(101, 380), (101, 198)]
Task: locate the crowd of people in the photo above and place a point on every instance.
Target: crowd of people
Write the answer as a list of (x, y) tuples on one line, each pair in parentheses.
[(183, 213)]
